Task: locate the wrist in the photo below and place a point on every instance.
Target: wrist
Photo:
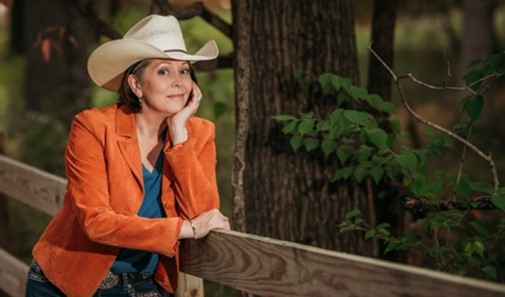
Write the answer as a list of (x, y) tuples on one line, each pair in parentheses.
[(193, 228), (178, 134), (186, 230)]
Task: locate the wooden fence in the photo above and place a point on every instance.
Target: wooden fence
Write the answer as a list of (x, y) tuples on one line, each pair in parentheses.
[(250, 263)]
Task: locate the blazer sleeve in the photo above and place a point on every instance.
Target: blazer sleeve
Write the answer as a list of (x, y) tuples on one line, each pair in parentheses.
[(88, 191), (193, 163)]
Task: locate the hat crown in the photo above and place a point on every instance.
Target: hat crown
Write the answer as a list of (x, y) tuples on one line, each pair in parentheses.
[(159, 31)]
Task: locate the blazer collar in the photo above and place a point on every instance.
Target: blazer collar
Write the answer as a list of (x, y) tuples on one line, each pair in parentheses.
[(125, 122), (127, 141)]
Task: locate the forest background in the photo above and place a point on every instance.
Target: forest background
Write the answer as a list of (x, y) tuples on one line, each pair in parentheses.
[(428, 41)]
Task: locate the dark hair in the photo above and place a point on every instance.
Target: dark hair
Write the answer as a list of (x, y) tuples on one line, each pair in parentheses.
[(127, 96)]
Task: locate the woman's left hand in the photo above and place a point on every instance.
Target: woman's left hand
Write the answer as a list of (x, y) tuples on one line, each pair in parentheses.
[(177, 122)]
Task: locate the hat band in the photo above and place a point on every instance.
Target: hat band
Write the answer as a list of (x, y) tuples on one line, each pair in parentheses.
[(171, 50)]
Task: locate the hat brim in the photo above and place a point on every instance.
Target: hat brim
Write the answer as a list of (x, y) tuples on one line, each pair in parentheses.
[(108, 62)]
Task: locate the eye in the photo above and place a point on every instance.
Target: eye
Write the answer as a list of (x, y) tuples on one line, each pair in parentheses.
[(185, 71), (163, 72)]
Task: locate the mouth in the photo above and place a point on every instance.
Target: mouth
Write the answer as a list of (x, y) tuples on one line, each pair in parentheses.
[(176, 96)]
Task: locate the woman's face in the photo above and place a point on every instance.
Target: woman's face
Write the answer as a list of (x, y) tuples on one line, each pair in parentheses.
[(165, 86)]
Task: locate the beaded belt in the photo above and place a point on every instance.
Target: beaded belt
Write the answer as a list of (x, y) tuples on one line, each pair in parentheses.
[(112, 279)]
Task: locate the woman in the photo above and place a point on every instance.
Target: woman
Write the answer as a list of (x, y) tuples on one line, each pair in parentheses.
[(141, 173)]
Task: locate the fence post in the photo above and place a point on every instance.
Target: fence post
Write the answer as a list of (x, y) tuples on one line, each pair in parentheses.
[(4, 220), (189, 286)]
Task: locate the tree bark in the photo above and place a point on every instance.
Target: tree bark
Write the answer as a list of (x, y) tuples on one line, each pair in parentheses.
[(287, 194)]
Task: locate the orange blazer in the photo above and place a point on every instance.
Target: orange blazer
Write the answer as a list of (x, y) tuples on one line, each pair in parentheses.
[(105, 191)]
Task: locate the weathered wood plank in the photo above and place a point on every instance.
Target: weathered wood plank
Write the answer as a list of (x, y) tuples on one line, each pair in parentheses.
[(32, 186), (12, 274), (269, 267)]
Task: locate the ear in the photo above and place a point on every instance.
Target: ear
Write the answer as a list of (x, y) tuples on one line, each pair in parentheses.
[(134, 84)]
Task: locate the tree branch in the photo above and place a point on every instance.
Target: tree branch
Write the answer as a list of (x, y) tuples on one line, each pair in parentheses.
[(196, 9), (421, 207), (89, 13), (487, 158), (220, 62)]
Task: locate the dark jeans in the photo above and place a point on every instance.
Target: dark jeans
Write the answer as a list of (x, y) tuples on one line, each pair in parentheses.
[(39, 286)]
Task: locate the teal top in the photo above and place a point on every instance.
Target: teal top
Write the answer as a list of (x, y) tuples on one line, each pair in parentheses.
[(129, 260)]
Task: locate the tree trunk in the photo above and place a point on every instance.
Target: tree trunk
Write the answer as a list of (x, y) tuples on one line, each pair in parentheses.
[(383, 31), (286, 194), (389, 209), (55, 42)]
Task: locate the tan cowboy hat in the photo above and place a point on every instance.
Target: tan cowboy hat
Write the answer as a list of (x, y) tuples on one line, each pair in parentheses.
[(155, 36)]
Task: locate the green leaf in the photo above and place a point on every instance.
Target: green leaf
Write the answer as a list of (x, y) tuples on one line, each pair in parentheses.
[(325, 79), (343, 153), (407, 160), (478, 247), (383, 226), (342, 97), (474, 106), (359, 118), (360, 173), (494, 62), (290, 127), (297, 72), (364, 154), (475, 62), (328, 147), (306, 126), (384, 232), (463, 189), (323, 125), (311, 143), (380, 104), (499, 201), (358, 92), (378, 137), (283, 117), (490, 271), (482, 187), (395, 124), (480, 228), (369, 234), (377, 173), (296, 142), (352, 213), (337, 81), (471, 77), (416, 186), (342, 173)]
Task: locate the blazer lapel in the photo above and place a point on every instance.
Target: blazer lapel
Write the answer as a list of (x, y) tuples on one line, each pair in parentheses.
[(127, 141)]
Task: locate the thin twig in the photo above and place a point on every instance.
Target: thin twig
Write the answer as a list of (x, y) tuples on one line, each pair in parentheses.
[(487, 158), (463, 157), (422, 83)]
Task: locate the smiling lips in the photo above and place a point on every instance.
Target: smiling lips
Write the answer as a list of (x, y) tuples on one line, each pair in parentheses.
[(176, 96)]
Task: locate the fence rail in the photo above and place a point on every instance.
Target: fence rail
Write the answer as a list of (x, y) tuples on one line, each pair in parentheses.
[(254, 264)]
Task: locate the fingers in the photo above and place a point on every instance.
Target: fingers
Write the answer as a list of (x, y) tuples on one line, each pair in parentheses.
[(197, 93), (209, 220)]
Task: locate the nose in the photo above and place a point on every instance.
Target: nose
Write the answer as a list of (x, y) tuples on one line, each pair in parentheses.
[(177, 81)]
